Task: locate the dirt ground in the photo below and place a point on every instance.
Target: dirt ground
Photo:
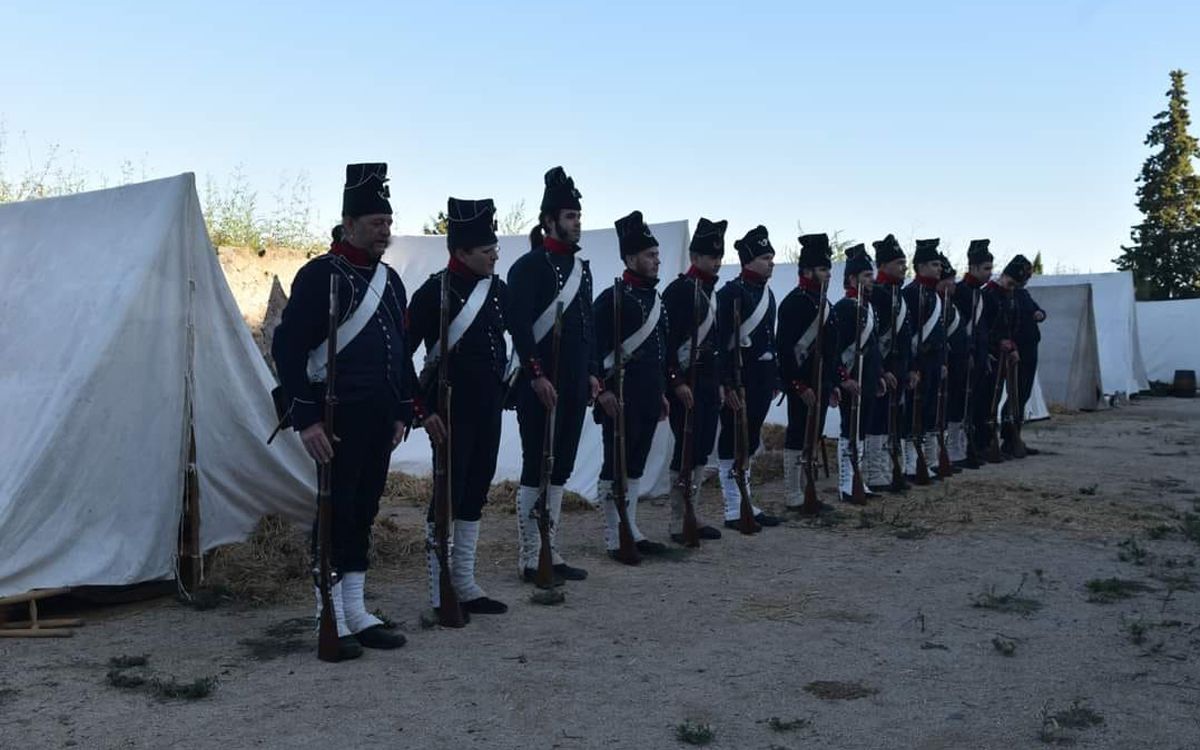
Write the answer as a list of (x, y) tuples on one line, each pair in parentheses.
[(957, 617)]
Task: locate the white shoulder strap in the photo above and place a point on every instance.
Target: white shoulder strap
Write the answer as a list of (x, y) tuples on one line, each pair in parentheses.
[(566, 295), (685, 349), (352, 326), (631, 343), (756, 317), (463, 320), (806, 341)]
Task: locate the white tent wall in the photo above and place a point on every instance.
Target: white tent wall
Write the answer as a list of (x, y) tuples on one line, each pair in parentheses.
[(1068, 362), (1167, 337), (415, 258), (1118, 349), (94, 363)]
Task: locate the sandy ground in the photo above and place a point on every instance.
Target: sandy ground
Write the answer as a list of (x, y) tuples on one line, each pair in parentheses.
[(731, 635)]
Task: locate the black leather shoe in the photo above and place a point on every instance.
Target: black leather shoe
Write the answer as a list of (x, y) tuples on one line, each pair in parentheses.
[(1031, 451), (484, 606), (765, 520), (349, 648), (529, 575), (616, 555), (708, 532), (377, 636), (568, 573), (437, 611), (731, 524), (850, 499), (647, 547)]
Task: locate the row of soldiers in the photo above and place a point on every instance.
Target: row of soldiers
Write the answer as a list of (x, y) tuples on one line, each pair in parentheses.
[(693, 354)]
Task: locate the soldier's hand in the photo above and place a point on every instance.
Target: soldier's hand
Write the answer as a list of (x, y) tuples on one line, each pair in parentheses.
[(809, 397), (594, 384), (545, 392), (399, 433), (883, 386), (608, 402), (316, 442), (835, 398), (914, 379), (945, 371), (850, 386), (1014, 355), (666, 409), (890, 380), (436, 429), (1039, 316), (684, 394), (733, 402)]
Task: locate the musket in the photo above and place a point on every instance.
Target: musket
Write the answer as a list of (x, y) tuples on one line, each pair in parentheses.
[(812, 426), (449, 611), (918, 422), (899, 484), (327, 635), (1014, 398), (993, 450), (545, 569), (687, 457), (627, 551), (858, 494), (741, 433), (944, 468)]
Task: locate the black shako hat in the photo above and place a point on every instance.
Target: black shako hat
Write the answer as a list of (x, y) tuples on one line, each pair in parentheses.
[(1019, 269), (560, 193), (709, 238), (633, 236), (857, 261), (366, 190), (978, 252), (926, 252), (887, 250), (814, 252), (755, 243), (470, 223), (948, 271)]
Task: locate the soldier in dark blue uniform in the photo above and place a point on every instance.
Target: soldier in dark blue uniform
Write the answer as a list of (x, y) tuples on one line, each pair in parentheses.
[(374, 378), (928, 337), (760, 373), (955, 356), (550, 272), (688, 312), (970, 306), (978, 306), (643, 341), (999, 296), (798, 358), (852, 315), (477, 301), (894, 335), (1029, 336)]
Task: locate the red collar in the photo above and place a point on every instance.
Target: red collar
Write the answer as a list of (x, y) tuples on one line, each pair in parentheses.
[(927, 282), (752, 277), (556, 246), (852, 292), (974, 282), (637, 280), (883, 278), (696, 273), (459, 268), (355, 255), (810, 284), (996, 287)]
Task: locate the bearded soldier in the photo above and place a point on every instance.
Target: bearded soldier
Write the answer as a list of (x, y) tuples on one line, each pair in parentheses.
[(928, 337), (759, 373), (894, 335), (549, 274), (976, 309), (476, 303), (798, 365), (374, 377), (856, 348), (691, 307), (643, 341)]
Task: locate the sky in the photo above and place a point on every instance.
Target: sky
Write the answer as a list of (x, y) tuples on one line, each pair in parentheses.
[(1020, 121)]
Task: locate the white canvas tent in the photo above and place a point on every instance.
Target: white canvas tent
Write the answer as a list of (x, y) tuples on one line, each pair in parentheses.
[(1167, 336), (120, 338), (415, 258), (784, 279), (1068, 358), (1121, 368)]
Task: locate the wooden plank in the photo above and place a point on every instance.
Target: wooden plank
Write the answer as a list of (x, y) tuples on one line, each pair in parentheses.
[(32, 596), (61, 622), (38, 633)]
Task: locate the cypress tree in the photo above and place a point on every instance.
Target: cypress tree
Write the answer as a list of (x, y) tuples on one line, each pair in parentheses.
[(1165, 254)]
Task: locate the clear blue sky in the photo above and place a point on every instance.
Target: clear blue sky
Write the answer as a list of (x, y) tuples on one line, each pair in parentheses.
[(1022, 121)]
